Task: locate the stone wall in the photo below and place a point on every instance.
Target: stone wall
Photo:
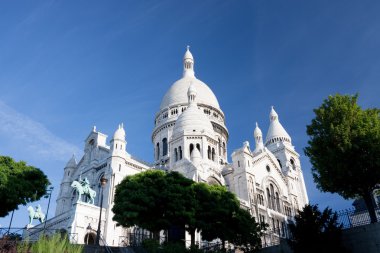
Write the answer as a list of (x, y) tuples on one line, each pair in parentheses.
[(362, 239)]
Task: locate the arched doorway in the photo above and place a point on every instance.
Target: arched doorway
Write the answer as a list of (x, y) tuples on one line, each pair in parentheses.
[(89, 239)]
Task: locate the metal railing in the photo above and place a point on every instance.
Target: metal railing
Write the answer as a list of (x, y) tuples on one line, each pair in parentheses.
[(353, 218)]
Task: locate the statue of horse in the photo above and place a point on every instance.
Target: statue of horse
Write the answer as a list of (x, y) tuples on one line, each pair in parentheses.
[(90, 193), (35, 214)]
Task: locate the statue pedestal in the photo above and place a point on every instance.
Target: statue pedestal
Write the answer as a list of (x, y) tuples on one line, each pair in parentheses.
[(29, 226)]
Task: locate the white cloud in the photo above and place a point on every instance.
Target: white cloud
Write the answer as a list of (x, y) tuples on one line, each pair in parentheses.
[(32, 136)]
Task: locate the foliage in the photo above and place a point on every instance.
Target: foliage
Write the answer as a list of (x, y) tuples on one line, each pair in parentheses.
[(155, 200), (247, 231), (19, 184), (344, 146), (46, 244), (152, 200), (316, 231)]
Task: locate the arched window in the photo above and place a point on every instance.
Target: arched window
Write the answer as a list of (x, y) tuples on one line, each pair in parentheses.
[(157, 151), (292, 163), (175, 154), (224, 149), (198, 147), (191, 148), (269, 198), (164, 147), (209, 152), (278, 202), (219, 147), (213, 154), (180, 152), (272, 195)]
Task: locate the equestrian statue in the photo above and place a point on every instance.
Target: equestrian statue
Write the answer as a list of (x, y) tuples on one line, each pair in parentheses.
[(35, 214), (82, 187)]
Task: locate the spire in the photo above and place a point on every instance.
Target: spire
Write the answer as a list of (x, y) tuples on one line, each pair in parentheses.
[(192, 94), (188, 63), (258, 135), (276, 132), (72, 163), (273, 114)]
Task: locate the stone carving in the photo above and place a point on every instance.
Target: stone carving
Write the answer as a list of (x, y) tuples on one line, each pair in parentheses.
[(82, 187), (35, 214)]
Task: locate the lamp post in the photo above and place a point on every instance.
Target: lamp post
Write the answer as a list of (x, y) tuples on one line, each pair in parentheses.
[(48, 195), (103, 182), (10, 223)]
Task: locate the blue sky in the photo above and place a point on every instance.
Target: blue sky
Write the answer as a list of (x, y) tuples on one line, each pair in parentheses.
[(68, 65)]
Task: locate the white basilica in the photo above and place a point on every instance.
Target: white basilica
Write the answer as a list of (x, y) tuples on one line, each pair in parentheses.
[(189, 136)]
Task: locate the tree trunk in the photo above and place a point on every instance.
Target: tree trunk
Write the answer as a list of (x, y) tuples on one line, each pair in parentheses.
[(368, 198), (192, 235), (156, 235)]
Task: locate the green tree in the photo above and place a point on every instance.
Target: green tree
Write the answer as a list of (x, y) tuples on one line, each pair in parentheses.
[(315, 231), (220, 216), (19, 184), (344, 148), (247, 231), (217, 214), (153, 200)]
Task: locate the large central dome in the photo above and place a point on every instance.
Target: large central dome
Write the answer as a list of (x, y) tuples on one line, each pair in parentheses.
[(177, 94)]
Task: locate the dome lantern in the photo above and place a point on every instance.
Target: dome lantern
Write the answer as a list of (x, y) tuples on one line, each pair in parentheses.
[(188, 63)]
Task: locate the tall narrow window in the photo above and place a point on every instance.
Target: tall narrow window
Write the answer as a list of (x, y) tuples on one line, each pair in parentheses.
[(157, 151), (219, 147), (198, 147), (269, 199), (224, 149), (191, 148), (272, 197), (164, 147), (213, 154), (180, 152), (278, 202), (209, 152), (175, 154), (293, 164)]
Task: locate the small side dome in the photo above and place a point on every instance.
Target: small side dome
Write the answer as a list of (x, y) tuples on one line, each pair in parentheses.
[(119, 133), (192, 119), (257, 132), (276, 132)]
